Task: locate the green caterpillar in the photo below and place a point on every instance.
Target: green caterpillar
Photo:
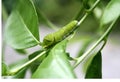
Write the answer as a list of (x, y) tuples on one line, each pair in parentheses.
[(59, 35)]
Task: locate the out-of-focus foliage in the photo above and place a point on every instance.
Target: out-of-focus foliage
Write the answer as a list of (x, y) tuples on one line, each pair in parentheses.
[(111, 12), (63, 11), (9, 5), (4, 69)]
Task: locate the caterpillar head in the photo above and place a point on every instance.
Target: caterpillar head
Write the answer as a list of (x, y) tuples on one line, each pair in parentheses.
[(48, 40)]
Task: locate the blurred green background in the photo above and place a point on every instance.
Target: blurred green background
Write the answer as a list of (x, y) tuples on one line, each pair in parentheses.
[(60, 12)]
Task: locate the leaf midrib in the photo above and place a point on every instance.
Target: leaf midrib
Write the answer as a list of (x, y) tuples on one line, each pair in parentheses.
[(26, 27)]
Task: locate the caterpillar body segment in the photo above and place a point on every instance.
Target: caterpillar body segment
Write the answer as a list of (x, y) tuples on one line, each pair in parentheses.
[(53, 38)]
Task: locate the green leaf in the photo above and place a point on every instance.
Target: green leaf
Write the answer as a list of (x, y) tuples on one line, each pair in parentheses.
[(37, 62), (111, 12), (95, 68), (21, 74), (56, 65), (21, 51), (4, 69), (21, 30)]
